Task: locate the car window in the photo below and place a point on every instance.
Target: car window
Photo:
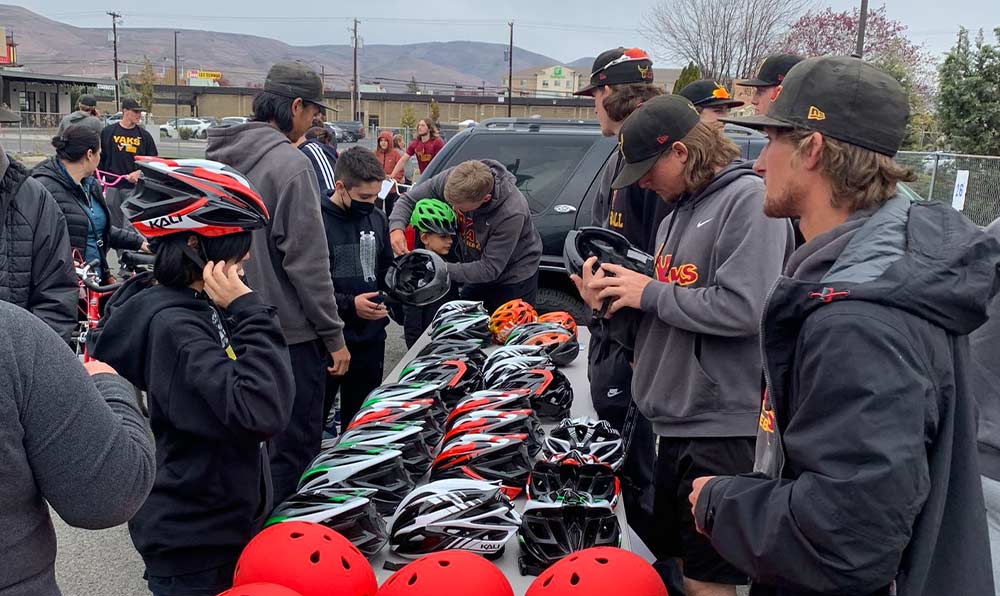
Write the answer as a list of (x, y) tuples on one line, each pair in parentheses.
[(542, 163)]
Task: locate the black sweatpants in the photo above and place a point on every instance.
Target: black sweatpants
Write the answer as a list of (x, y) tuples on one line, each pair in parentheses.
[(293, 449), (363, 375), (493, 295)]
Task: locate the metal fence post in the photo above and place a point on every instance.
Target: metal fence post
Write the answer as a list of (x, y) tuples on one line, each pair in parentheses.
[(20, 147), (930, 192)]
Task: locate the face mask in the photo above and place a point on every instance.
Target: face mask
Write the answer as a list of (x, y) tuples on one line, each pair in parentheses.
[(357, 208)]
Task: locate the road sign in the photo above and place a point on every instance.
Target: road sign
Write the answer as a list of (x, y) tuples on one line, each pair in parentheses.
[(961, 186)]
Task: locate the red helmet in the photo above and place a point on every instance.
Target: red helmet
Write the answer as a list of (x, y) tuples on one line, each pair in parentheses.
[(447, 573), (599, 571), (260, 589), (308, 558), (192, 195), (509, 315), (562, 318)]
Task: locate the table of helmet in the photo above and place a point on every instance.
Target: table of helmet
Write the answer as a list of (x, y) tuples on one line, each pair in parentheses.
[(474, 446)]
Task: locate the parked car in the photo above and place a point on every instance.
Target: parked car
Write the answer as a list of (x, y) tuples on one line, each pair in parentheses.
[(558, 165), (210, 120), (234, 120), (339, 133), (147, 120), (198, 129), (353, 130)]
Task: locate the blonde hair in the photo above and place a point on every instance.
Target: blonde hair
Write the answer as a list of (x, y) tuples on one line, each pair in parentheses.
[(469, 182), (708, 150), (859, 178)]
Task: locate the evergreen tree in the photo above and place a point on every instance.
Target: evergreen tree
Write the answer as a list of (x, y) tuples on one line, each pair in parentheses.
[(412, 86), (689, 74), (969, 95)]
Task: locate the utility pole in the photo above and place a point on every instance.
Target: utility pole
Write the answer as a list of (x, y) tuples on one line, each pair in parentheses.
[(355, 93), (510, 71), (177, 84), (114, 31), (322, 76), (862, 23)]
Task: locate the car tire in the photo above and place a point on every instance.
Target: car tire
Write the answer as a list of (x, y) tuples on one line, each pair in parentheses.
[(550, 299)]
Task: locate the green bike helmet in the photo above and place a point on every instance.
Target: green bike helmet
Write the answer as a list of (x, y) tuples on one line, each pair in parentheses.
[(434, 216)]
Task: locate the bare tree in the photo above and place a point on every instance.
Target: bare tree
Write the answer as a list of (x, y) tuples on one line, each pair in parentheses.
[(727, 40)]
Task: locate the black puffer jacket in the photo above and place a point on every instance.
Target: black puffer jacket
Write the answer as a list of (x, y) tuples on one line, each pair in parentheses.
[(73, 202), (36, 263)]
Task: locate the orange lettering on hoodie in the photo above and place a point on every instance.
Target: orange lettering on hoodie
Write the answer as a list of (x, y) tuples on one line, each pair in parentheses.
[(682, 275)]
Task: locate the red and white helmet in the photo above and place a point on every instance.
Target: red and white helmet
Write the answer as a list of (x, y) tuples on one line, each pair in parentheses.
[(192, 195)]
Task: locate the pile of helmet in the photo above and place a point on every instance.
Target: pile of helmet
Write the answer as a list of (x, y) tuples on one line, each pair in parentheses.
[(516, 323), (307, 559), (461, 320), (528, 369)]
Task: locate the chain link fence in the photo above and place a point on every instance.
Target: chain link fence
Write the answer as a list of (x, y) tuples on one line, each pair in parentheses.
[(947, 176)]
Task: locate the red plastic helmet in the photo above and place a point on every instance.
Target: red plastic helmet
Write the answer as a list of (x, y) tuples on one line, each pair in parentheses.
[(509, 315), (448, 573), (192, 195), (561, 318), (308, 558), (599, 571), (260, 589)]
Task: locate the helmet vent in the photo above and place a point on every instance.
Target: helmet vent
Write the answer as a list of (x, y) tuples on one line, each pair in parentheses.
[(547, 581), (345, 563), (413, 580), (601, 560), (574, 579), (314, 557), (295, 535)]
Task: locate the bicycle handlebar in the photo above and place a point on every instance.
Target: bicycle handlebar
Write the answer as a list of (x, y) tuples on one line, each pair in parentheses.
[(88, 279)]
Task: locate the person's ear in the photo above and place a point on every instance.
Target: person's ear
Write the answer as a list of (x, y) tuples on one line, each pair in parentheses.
[(813, 152), (192, 241), (681, 151)]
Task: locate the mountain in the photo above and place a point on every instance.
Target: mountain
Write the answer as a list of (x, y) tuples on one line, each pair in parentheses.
[(51, 47)]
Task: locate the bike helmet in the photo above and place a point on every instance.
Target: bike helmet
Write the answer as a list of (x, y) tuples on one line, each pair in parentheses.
[(260, 589), (458, 513), (589, 437), (192, 195), (500, 401), (573, 522), (457, 307), (349, 512), (549, 391), (493, 422), (470, 349), (448, 573), (509, 315), (498, 373), (504, 352), (486, 457), (417, 457), (379, 468), (418, 278), (421, 411), (472, 326), (574, 471), (561, 318), (434, 216), (599, 571), (556, 341), (456, 377), (608, 246), (408, 392), (307, 558)]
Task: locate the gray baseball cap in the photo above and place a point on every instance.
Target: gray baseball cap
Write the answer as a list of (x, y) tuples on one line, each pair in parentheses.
[(296, 80)]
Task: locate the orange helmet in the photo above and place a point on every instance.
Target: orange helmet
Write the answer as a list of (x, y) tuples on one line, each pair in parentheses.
[(555, 340), (509, 315), (561, 318)]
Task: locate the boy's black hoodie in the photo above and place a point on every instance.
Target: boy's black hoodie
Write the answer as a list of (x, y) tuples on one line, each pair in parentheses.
[(217, 387)]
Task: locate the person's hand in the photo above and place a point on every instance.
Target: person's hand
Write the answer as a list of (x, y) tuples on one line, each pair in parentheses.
[(341, 362), (134, 176), (222, 283), (397, 238), (368, 310), (696, 486), (621, 285), (583, 284), (96, 367)]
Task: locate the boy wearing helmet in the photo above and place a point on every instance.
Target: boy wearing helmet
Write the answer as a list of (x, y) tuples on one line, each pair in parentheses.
[(435, 224), (214, 364)]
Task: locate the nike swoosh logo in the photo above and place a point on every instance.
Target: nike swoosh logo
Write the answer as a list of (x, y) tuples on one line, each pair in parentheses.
[(701, 223), (614, 392)]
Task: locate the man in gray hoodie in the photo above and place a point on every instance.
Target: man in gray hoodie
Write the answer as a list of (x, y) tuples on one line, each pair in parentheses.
[(290, 264), (697, 360)]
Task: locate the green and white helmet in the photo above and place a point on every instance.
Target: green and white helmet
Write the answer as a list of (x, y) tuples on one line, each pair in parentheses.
[(357, 466), (434, 216), (349, 512)]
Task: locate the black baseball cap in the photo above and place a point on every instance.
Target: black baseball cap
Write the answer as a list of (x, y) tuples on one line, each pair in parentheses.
[(773, 71), (296, 80), (842, 97), (131, 104), (649, 131), (88, 100), (619, 66), (706, 93)]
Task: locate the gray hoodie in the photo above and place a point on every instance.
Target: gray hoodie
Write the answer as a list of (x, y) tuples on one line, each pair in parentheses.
[(289, 262), (75, 443), (698, 363), (499, 243), (985, 381)]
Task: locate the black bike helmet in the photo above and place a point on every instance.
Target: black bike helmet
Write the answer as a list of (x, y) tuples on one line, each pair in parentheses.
[(471, 349), (550, 392), (589, 437), (349, 512), (495, 422), (574, 471), (499, 401), (608, 246), (455, 377), (472, 326), (411, 438), (457, 307), (361, 467), (573, 522), (556, 342), (486, 457), (418, 278), (456, 513)]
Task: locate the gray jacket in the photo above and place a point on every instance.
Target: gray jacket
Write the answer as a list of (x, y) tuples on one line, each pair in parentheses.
[(289, 262), (698, 364), (76, 443), (985, 379), (499, 243)]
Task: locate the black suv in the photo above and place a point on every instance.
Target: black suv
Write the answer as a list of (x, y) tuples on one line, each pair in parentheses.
[(558, 164), (353, 130)]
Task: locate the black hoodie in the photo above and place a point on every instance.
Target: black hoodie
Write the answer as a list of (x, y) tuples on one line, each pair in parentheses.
[(217, 389), (867, 474)]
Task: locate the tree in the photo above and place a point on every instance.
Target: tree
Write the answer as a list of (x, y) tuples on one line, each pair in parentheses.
[(689, 74), (435, 111), (724, 39), (969, 95), (407, 119), (147, 80), (412, 86)]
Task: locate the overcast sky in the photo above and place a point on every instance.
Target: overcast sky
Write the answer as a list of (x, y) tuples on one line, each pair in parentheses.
[(563, 29)]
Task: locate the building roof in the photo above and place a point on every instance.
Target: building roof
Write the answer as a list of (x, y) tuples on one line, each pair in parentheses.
[(20, 75)]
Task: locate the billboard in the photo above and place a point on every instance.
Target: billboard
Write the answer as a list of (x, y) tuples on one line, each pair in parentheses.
[(212, 75), (9, 56)]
